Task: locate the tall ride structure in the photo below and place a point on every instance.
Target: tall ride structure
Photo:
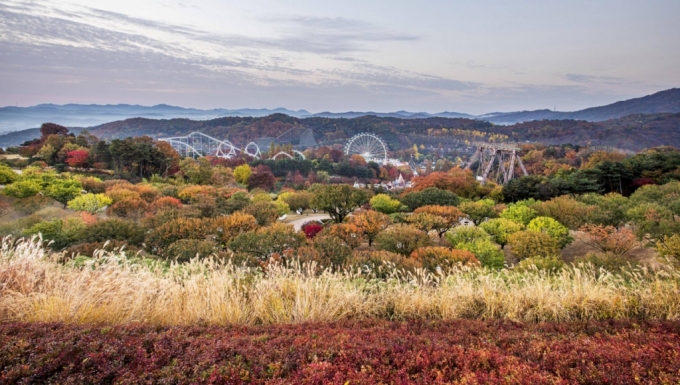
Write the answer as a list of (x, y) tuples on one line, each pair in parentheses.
[(497, 162)]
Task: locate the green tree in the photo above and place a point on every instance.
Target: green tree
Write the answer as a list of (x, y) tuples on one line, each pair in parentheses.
[(90, 203), (7, 175), (268, 241), (264, 212), (500, 229), (401, 239), (488, 254), (298, 200), (242, 173), (466, 234), (23, 188), (555, 229), (64, 190), (430, 196), (338, 200), (384, 204), (519, 213), (196, 171), (479, 211)]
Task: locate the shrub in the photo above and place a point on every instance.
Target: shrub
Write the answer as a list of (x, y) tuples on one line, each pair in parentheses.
[(550, 263), (442, 257), (129, 208), (189, 194), (90, 203), (564, 209), (61, 233), (184, 250), (402, 239), (466, 234), (526, 244), (500, 229), (32, 204), (22, 188), (172, 231), (118, 194), (669, 247), (92, 184), (612, 263), (311, 229), (384, 263), (426, 222), (486, 252), (384, 204), (551, 227), (332, 251), (282, 207), (228, 227), (242, 174), (88, 249), (7, 175), (113, 229), (165, 203), (268, 241), (608, 239)]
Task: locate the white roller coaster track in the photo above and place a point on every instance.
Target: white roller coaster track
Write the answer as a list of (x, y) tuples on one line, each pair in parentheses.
[(198, 144), (295, 152)]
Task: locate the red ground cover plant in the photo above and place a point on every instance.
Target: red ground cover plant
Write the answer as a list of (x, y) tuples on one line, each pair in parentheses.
[(368, 352)]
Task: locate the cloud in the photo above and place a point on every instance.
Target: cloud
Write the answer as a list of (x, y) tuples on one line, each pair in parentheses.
[(588, 79)]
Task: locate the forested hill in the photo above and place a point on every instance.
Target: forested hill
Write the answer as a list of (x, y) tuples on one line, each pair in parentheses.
[(633, 132), (667, 101)]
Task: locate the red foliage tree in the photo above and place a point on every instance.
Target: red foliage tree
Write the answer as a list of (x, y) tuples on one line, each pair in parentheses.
[(311, 229), (78, 158), (262, 177)]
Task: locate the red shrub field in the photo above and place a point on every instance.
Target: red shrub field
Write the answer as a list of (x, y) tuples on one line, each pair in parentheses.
[(366, 352)]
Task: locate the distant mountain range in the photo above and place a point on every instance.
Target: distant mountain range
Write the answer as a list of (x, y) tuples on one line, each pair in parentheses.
[(81, 115)]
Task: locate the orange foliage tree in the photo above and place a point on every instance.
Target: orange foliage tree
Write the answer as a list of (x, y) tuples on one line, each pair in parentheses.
[(450, 214), (462, 182), (608, 239), (371, 223)]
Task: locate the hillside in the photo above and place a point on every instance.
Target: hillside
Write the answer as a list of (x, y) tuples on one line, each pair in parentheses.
[(667, 101)]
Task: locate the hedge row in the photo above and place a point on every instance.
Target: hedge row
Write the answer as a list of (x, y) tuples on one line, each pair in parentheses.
[(369, 352)]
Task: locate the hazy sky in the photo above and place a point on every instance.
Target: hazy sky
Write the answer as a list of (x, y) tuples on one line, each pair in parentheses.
[(470, 56)]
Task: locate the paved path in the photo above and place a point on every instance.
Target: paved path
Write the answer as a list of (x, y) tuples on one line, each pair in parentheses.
[(299, 222)]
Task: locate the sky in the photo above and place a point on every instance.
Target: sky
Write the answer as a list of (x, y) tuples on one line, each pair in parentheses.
[(472, 56)]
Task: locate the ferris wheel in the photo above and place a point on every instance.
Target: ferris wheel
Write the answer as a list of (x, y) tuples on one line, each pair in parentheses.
[(369, 146)]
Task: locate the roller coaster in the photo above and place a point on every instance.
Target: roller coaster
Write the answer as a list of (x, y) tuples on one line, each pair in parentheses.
[(198, 144)]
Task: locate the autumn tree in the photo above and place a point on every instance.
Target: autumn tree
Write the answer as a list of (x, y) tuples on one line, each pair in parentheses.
[(371, 223), (63, 190), (426, 221), (527, 244), (230, 226), (261, 177), (242, 174), (519, 213), (437, 257), (347, 232), (265, 213), (451, 216), (466, 234), (338, 200), (78, 158), (608, 239)]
